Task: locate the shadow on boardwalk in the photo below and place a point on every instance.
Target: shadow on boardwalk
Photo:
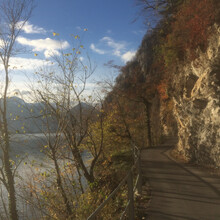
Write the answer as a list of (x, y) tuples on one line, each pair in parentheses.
[(179, 191)]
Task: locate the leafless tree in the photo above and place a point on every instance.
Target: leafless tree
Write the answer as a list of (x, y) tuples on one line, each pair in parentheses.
[(69, 81), (14, 14), (154, 10), (61, 89)]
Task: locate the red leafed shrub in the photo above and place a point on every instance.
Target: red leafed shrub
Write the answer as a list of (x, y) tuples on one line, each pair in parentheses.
[(190, 29), (162, 90), (193, 19)]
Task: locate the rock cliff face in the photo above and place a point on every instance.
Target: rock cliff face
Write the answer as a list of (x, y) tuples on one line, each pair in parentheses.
[(183, 94), (196, 100)]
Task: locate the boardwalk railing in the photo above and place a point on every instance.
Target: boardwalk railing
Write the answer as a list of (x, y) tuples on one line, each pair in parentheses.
[(129, 180)]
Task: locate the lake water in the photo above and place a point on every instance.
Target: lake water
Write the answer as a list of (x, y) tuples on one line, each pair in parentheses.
[(29, 147)]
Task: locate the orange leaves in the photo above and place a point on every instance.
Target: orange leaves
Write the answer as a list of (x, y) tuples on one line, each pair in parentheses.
[(162, 90), (189, 30), (190, 27), (198, 15)]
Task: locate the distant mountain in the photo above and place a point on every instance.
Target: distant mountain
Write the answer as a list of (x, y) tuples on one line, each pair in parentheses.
[(27, 117), (84, 107), (87, 111), (30, 117)]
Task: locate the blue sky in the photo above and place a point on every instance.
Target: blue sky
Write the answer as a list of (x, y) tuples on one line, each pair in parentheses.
[(110, 32)]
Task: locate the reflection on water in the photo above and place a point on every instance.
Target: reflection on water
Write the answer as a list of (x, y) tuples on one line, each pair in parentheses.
[(28, 144), (28, 148)]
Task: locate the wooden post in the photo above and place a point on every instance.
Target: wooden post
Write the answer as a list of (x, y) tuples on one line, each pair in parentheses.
[(133, 151), (139, 184), (130, 197), (148, 121)]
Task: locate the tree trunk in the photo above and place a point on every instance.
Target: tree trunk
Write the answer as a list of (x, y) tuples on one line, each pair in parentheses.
[(89, 176), (6, 159), (11, 189), (148, 122), (60, 186)]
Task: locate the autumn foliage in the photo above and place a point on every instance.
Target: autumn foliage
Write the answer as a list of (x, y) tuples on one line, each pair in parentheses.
[(162, 90), (189, 30), (181, 35)]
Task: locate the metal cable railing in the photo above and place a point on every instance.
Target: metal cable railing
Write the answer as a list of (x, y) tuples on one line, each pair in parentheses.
[(128, 179)]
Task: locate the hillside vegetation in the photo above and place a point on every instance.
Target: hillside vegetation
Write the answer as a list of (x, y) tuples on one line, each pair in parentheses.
[(171, 87)]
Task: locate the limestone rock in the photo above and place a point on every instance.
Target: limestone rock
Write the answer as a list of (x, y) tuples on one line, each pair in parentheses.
[(197, 105)]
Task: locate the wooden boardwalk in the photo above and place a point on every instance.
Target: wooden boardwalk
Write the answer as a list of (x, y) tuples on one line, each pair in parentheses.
[(179, 192)]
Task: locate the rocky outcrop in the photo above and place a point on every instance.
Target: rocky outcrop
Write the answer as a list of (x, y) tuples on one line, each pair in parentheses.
[(196, 99), (183, 94)]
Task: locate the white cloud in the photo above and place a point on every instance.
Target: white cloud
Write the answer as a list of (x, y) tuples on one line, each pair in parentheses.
[(117, 47), (81, 59), (48, 45), (19, 92), (92, 46), (128, 56), (25, 93), (30, 28), (51, 53), (20, 63), (2, 45)]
